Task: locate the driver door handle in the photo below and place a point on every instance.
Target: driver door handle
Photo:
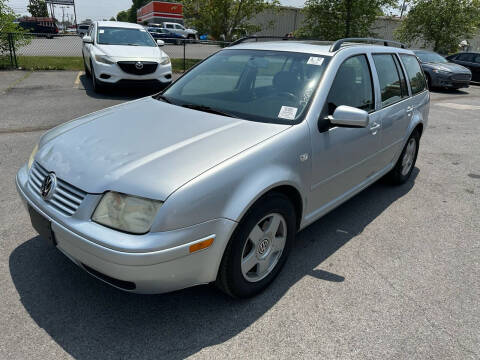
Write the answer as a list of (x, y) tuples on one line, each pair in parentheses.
[(374, 128)]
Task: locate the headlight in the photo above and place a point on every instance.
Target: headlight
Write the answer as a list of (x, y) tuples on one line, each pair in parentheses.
[(126, 213), (104, 59), (442, 71), (165, 60), (32, 156)]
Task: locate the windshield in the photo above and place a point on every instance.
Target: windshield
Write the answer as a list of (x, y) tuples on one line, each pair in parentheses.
[(432, 57), (258, 85), (123, 36)]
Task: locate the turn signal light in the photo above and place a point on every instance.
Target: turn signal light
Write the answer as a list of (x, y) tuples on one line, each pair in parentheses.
[(201, 245)]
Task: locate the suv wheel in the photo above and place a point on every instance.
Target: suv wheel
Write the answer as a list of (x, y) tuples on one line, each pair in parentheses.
[(97, 87), (405, 164), (258, 248), (87, 71)]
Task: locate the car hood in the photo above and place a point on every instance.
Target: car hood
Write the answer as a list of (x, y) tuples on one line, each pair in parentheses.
[(146, 147), (455, 68), (131, 52)]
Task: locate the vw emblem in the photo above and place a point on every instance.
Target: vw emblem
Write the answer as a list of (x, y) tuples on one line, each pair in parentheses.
[(262, 247), (48, 186), (139, 65)]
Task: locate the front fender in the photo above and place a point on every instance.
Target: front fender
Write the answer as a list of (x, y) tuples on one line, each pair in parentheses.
[(229, 189)]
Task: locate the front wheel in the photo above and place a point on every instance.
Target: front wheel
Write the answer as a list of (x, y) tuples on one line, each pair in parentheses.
[(97, 87), (258, 248), (405, 164)]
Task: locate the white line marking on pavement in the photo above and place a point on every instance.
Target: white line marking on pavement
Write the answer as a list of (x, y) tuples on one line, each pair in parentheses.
[(459, 106)]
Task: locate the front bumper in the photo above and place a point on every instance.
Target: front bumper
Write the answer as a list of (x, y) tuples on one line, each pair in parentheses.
[(456, 81), (114, 75), (147, 268)]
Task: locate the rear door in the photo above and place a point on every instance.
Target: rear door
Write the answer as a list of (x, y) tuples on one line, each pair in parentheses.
[(394, 105), (476, 68)]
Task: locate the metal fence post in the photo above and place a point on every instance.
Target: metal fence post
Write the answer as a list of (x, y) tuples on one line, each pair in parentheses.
[(14, 52), (9, 37), (184, 56)]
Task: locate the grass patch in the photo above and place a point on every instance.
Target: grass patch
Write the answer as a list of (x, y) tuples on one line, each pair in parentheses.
[(73, 63), (177, 64), (50, 62)]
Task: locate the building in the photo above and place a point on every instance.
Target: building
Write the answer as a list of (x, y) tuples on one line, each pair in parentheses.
[(160, 11)]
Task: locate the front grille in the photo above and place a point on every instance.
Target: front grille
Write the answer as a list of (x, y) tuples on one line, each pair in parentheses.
[(66, 198), (130, 67), (460, 77)]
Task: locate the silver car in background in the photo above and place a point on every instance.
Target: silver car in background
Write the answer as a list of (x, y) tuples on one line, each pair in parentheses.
[(210, 180)]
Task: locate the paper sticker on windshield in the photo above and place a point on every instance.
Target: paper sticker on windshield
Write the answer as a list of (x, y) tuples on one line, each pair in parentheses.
[(315, 60), (287, 112), (143, 30), (102, 31)]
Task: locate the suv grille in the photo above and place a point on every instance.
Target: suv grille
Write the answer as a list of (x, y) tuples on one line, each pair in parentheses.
[(130, 67), (66, 198)]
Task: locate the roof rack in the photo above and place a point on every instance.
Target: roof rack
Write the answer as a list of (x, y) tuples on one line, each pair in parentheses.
[(239, 41), (338, 44)]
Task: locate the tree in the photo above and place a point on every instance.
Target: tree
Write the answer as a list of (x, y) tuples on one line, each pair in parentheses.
[(440, 23), (132, 13), (225, 18), (113, 19), (38, 8), (335, 19), (7, 26), (123, 16)]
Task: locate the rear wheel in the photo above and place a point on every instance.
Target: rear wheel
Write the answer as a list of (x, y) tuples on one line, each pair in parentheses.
[(405, 164), (87, 71), (258, 248)]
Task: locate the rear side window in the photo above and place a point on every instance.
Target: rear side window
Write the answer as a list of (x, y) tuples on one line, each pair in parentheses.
[(477, 59), (465, 57), (352, 85), (169, 26), (414, 73), (391, 86)]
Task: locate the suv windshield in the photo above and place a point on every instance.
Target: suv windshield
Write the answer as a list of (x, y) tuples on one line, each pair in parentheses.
[(258, 85), (123, 36), (430, 57)]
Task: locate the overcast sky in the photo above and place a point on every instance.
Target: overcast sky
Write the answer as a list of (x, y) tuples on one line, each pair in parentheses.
[(102, 9)]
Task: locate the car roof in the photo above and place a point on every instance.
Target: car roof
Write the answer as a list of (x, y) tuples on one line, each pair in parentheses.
[(119, 24), (310, 47)]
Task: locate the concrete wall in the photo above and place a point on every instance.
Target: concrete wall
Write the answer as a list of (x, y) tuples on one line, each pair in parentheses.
[(289, 19)]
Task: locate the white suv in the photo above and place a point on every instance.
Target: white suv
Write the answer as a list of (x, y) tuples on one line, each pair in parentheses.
[(117, 53), (180, 29)]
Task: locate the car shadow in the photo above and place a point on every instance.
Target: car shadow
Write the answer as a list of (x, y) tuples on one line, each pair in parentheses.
[(91, 320), (448, 91), (114, 93)]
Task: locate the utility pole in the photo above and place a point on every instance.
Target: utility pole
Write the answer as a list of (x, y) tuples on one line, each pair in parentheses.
[(63, 16), (403, 9)]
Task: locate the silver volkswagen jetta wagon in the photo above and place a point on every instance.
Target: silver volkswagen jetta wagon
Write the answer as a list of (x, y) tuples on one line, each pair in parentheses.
[(210, 180)]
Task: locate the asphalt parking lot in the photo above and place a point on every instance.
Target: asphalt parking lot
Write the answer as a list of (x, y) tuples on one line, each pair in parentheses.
[(394, 273)]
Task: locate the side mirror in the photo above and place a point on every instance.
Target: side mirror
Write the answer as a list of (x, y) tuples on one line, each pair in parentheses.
[(87, 39), (160, 42), (348, 116)]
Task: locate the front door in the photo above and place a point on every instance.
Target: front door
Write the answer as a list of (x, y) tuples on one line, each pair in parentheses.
[(342, 157)]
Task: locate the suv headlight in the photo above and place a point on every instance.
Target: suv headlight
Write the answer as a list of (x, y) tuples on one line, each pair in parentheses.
[(165, 60), (104, 59), (31, 159), (126, 213)]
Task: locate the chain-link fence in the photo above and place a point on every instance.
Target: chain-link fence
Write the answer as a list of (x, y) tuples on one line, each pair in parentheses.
[(64, 52)]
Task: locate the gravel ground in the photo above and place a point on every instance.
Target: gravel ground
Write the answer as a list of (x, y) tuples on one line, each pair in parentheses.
[(394, 273)]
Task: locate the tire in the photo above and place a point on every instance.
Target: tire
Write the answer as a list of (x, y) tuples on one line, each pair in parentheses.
[(406, 162), (87, 71), (429, 82), (261, 260), (97, 87)]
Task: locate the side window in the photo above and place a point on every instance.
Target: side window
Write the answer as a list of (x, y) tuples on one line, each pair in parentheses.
[(477, 59), (352, 85), (414, 73), (390, 85), (169, 26), (465, 57), (403, 80), (180, 27)]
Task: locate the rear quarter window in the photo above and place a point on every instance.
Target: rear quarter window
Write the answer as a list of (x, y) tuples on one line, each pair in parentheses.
[(414, 73)]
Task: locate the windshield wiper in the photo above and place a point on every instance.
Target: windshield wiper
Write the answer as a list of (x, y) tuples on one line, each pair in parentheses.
[(163, 98), (209, 110)]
